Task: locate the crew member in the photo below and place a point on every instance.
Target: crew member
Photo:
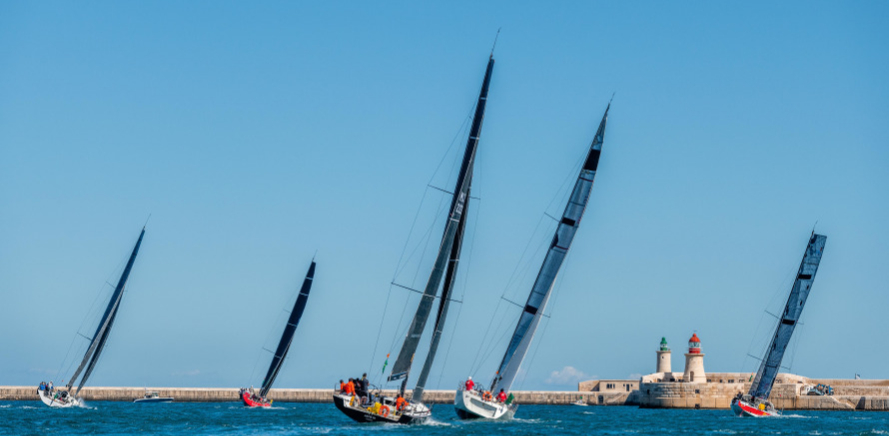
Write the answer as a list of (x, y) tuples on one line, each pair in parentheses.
[(342, 386), (470, 384), (501, 396), (350, 387), (400, 403)]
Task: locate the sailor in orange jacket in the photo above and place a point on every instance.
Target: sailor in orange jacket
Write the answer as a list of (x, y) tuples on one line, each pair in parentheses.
[(350, 388), (400, 403)]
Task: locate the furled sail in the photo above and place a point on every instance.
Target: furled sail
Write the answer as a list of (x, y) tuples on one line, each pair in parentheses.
[(446, 255), (768, 369), (558, 250), (101, 335), (289, 330)]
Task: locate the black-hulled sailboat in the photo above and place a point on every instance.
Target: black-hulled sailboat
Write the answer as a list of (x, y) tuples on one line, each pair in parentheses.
[(372, 406), (473, 401), (756, 401), (67, 396), (249, 396)]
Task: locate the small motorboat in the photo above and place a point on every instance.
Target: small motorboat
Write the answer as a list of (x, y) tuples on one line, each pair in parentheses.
[(581, 402), (153, 397)]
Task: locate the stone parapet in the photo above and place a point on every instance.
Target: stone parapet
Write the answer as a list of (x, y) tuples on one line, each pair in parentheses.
[(29, 393)]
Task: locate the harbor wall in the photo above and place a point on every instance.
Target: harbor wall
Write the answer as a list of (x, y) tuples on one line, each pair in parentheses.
[(789, 393), (29, 393)]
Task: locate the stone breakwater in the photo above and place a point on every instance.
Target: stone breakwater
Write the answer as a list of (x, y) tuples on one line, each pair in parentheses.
[(204, 395), (789, 393)]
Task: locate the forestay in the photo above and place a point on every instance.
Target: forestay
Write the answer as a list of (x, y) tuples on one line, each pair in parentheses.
[(287, 337), (540, 292), (768, 369), (447, 255), (101, 335)]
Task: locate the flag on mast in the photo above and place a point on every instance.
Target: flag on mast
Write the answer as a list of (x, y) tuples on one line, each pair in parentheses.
[(386, 363)]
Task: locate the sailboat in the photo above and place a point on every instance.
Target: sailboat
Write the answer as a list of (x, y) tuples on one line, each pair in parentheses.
[(756, 401), (373, 407), (249, 396), (471, 400), (67, 397)]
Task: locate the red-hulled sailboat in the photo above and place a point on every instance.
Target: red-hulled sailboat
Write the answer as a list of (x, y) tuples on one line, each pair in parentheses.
[(756, 402), (250, 397)]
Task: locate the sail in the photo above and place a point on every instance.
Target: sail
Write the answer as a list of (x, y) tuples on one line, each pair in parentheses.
[(455, 215), (558, 250), (101, 335), (768, 369), (450, 276), (289, 330)]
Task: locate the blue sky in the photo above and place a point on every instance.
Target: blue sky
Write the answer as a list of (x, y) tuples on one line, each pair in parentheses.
[(258, 134)]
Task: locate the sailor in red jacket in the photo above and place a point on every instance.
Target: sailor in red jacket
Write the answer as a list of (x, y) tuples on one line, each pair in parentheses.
[(469, 384), (501, 396)]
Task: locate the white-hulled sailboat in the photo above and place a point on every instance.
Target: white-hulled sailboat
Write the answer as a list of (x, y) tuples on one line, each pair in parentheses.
[(67, 397), (252, 399), (473, 401), (373, 407), (756, 401)]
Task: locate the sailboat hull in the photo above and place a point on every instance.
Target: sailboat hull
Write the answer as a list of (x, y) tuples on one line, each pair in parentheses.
[(248, 400), (744, 408), (51, 401), (471, 405), (352, 409)]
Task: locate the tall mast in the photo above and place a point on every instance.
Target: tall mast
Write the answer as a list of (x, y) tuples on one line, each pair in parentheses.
[(443, 305), (555, 256), (445, 251), (101, 335), (805, 276), (287, 337)]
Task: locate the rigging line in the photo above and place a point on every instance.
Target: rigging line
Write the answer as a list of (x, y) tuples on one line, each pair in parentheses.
[(380, 329), (555, 294), (427, 238), (466, 270), (522, 257), (499, 340), (485, 336), (533, 356), (426, 191)]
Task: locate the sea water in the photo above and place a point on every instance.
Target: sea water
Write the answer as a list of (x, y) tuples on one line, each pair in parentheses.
[(117, 418)]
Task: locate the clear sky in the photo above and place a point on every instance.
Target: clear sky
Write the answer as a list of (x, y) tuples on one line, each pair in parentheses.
[(256, 134)]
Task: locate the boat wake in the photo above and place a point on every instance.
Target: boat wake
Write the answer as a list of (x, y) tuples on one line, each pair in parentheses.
[(796, 416), (436, 423)]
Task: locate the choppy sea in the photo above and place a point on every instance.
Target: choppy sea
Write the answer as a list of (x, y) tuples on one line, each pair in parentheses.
[(116, 418)]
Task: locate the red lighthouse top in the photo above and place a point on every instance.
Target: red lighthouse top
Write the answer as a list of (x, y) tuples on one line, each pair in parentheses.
[(694, 344)]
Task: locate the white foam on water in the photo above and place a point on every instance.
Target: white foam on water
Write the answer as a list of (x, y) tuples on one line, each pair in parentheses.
[(433, 422), (796, 416)]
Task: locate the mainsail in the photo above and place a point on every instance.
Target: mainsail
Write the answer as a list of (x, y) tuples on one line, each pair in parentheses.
[(558, 250), (101, 335), (768, 369), (448, 254), (289, 330)]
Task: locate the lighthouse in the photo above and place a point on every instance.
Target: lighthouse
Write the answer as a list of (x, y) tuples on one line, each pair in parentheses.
[(663, 358), (694, 362)]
